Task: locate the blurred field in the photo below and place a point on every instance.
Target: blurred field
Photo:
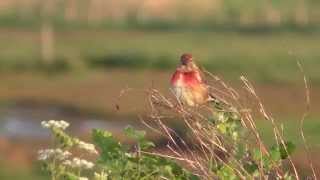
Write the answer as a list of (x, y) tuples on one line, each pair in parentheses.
[(262, 57)]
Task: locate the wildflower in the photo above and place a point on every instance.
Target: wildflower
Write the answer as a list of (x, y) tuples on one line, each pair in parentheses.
[(45, 124), (101, 176), (87, 147), (49, 153), (78, 163), (44, 154), (55, 124)]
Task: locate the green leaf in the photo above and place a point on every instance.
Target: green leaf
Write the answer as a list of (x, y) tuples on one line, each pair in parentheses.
[(275, 154), (68, 176), (286, 149), (146, 144), (222, 127), (226, 173), (257, 155), (63, 138), (281, 151), (110, 148), (134, 134), (138, 136), (287, 176), (251, 167)]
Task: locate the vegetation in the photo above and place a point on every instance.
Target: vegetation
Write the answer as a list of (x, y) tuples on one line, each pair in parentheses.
[(115, 160), (118, 161), (225, 137), (222, 142)]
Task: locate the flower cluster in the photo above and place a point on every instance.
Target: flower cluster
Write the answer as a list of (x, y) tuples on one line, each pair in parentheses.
[(58, 161), (55, 124), (59, 154), (79, 163), (86, 146), (102, 176)]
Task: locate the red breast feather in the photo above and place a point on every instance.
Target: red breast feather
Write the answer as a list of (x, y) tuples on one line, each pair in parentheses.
[(189, 79), (189, 87)]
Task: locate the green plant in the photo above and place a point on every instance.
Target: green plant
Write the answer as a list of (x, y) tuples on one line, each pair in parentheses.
[(59, 161), (222, 142), (115, 161)]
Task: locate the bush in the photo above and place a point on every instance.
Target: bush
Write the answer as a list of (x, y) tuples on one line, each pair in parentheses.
[(223, 143), (115, 161)]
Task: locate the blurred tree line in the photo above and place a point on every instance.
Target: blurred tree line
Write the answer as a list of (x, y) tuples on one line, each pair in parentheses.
[(222, 15), (171, 12)]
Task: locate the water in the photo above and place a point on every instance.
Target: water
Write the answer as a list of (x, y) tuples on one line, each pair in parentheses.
[(22, 121)]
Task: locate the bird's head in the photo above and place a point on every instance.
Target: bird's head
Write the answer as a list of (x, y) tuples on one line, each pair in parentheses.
[(187, 63), (186, 59)]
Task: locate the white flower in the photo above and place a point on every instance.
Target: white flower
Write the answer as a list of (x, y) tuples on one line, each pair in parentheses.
[(101, 176), (61, 155), (78, 163), (44, 154), (49, 153), (87, 146), (55, 124), (45, 124), (64, 124), (88, 165), (75, 162)]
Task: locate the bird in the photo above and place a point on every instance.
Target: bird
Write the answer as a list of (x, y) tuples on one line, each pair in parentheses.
[(188, 84)]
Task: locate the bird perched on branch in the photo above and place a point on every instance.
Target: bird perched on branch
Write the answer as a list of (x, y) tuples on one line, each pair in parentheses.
[(188, 83)]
